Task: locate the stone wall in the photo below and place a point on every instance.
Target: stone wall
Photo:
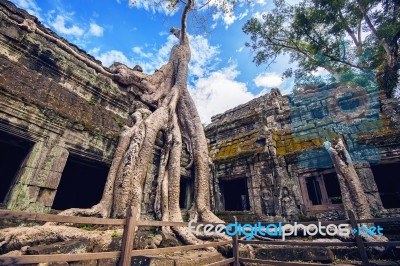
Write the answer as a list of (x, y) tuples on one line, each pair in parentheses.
[(54, 100), (276, 142)]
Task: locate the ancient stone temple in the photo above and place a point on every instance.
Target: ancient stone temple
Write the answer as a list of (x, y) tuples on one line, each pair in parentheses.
[(61, 114), (269, 156)]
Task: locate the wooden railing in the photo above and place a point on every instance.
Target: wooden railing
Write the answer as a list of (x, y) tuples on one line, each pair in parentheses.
[(358, 242), (126, 253)]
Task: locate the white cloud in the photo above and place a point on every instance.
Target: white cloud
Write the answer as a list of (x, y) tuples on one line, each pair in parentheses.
[(240, 49), (30, 6), (259, 16), (153, 6), (261, 2), (227, 16), (96, 30), (59, 25), (268, 80), (139, 51), (219, 92), (243, 15), (204, 56), (107, 58), (320, 72)]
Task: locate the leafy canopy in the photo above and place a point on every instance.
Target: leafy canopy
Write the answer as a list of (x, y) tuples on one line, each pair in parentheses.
[(337, 35)]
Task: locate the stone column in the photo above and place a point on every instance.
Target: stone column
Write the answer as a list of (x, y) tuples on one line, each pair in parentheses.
[(370, 188), (39, 176), (254, 189)]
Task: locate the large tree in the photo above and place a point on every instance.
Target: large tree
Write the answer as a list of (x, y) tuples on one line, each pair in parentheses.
[(337, 35), (173, 112)]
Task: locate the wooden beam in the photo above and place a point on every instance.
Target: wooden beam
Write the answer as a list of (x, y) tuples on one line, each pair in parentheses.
[(32, 216), (279, 263), (359, 241), (178, 249), (128, 236), (222, 262), (235, 247), (27, 259)]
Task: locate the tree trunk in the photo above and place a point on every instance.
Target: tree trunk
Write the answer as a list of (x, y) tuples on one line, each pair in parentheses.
[(353, 195)]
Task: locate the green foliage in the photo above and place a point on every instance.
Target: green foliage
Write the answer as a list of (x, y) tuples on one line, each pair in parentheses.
[(115, 234), (119, 121), (92, 101), (87, 227), (337, 35), (138, 68)]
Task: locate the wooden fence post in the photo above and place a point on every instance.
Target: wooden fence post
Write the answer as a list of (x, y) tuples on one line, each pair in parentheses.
[(235, 247), (128, 237), (359, 241)]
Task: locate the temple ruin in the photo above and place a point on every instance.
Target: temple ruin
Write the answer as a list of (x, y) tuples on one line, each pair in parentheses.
[(273, 147), (60, 120)]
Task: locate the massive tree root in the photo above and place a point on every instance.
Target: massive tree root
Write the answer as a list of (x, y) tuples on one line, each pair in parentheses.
[(15, 238), (176, 116)]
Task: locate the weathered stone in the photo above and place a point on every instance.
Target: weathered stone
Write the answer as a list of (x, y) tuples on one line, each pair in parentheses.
[(70, 246)]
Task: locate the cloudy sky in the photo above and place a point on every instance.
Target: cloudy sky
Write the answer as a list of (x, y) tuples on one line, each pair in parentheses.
[(222, 74)]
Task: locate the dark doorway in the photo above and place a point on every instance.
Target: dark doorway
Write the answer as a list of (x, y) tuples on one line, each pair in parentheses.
[(186, 193), (235, 193), (333, 188), (13, 151), (182, 193), (314, 190), (387, 179), (82, 183)]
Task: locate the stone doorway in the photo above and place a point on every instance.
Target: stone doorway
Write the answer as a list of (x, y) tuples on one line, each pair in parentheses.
[(82, 183), (235, 194), (13, 151), (333, 188), (186, 193), (388, 181)]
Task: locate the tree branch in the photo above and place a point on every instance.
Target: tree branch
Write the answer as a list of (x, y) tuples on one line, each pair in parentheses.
[(189, 6), (348, 30), (371, 26)]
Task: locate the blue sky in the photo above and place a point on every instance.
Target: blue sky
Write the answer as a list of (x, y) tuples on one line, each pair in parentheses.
[(222, 74)]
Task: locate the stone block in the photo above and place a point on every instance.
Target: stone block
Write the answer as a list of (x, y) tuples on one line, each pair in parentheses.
[(70, 246), (46, 197), (26, 174)]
